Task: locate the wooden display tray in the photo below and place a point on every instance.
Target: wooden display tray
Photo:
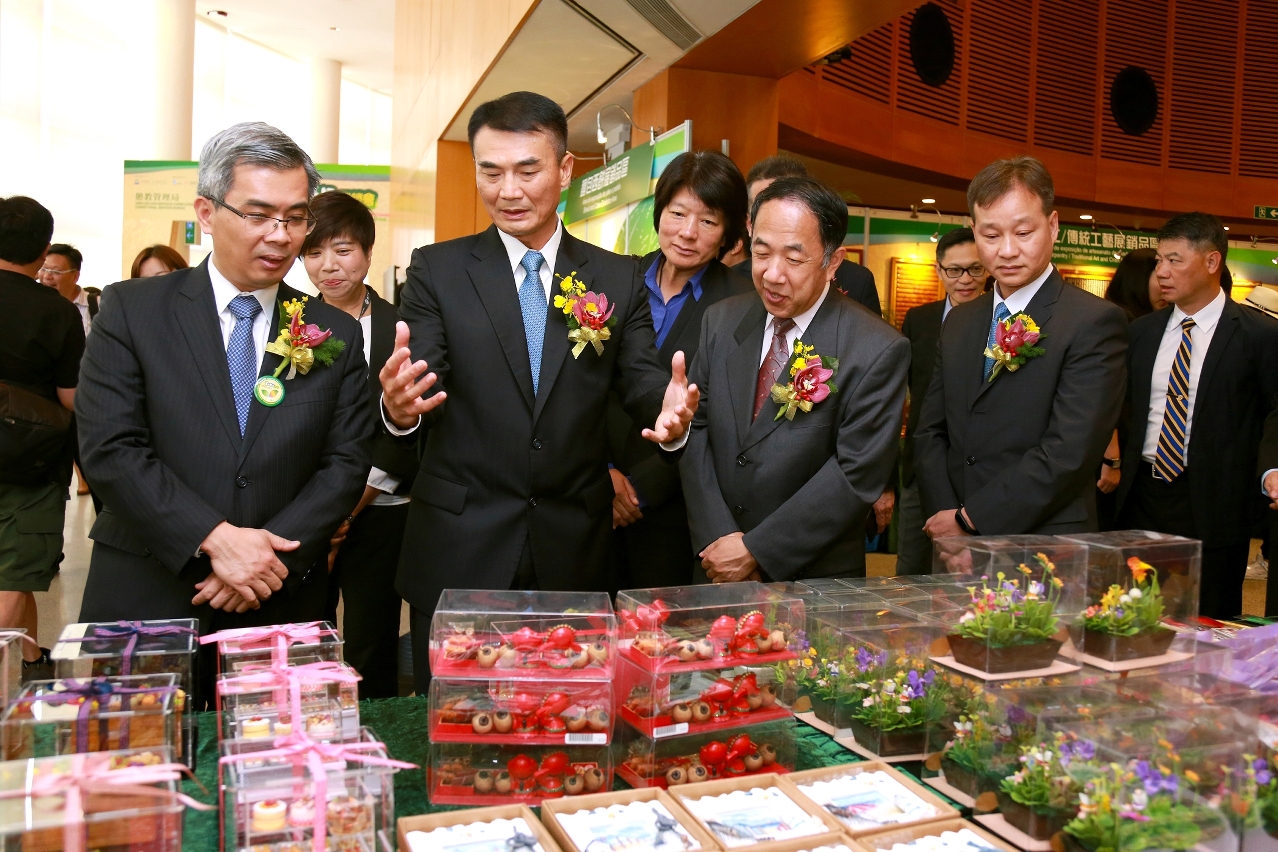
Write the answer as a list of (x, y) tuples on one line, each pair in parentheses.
[(551, 808), (807, 844), (998, 824), (427, 822), (851, 744), (939, 784), (827, 773), (1057, 668), (906, 834), (834, 836)]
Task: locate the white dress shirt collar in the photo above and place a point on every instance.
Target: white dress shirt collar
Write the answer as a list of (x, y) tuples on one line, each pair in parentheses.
[(946, 308), (1206, 318), (801, 321), (224, 291), (1020, 300), (515, 250)]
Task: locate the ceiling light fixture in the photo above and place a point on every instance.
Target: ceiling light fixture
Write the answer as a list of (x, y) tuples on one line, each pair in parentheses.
[(1086, 217), (335, 29), (1226, 227), (1117, 254), (914, 214), (218, 12), (929, 200)]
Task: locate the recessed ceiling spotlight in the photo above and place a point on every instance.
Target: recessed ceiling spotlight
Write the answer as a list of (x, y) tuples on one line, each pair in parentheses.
[(1226, 227), (218, 12), (335, 29), (1086, 217), (929, 200)]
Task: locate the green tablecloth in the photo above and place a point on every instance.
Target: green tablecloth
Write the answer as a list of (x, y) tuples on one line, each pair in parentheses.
[(401, 723)]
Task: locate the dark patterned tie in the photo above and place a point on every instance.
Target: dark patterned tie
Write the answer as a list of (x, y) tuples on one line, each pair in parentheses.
[(241, 355), (772, 365), (1000, 313), (1169, 459), (532, 304)]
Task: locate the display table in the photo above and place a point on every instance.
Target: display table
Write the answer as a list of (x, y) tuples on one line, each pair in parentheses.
[(401, 723)]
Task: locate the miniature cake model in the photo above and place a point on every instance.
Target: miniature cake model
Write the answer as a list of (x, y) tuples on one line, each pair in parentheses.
[(348, 815), (268, 815), (255, 726), (283, 729), (321, 725), (302, 812)]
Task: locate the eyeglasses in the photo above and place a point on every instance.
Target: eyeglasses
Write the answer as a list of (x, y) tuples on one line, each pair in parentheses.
[(975, 271), (261, 225), (44, 270)]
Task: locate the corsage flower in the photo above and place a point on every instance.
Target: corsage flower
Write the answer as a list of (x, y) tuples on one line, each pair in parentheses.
[(810, 382), (302, 344), (588, 314), (1015, 342)]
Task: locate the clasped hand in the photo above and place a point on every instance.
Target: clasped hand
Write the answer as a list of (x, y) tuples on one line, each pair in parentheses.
[(728, 560), (246, 570), (404, 381), (678, 406)]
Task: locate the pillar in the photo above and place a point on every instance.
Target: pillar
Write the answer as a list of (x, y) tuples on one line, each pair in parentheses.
[(174, 50), (326, 110)]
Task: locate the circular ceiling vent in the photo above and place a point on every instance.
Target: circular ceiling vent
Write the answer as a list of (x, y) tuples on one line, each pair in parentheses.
[(932, 45), (1133, 100)]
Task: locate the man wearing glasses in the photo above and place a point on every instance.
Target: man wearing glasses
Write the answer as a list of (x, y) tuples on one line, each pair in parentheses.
[(961, 274), (223, 469)]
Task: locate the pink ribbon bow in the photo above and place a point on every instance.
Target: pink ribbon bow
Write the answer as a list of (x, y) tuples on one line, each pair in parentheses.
[(286, 681), (277, 637)]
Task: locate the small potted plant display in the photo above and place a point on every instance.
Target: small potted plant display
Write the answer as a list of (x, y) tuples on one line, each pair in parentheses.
[(1252, 802), (1127, 622), (971, 759), (1137, 806), (889, 705), (816, 676), (1009, 627), (1041, 796)]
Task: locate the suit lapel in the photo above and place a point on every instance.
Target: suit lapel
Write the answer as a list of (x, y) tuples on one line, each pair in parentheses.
[(494, 282), (196, 315), (743, 367), (1225, 328), (973, 338), (259, 413), (1040, 310), (554, 347)]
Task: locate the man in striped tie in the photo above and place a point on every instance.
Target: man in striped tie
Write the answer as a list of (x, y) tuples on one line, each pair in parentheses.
[(1203, 376)]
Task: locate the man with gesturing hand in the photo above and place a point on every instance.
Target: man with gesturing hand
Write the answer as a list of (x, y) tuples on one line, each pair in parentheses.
[(510, 381), (226, 456)]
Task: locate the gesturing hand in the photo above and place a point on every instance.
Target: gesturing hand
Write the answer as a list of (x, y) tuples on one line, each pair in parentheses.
[(1271, 488), (728, 560), (401, 389), (677, 408), (625, 501), (245, 560)]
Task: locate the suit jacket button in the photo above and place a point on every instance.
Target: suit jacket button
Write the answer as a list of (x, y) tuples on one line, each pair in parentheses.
[(536, 443), (241, 482), (741, 460), (739, 510), (971, 460), (532, 501)]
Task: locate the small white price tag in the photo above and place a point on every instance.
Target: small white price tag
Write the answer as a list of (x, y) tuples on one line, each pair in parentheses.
[(585, 739), (670, 730)]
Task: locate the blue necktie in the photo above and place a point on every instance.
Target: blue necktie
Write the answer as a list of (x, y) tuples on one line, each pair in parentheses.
[(532, 302), (1000, 313), (1169, 458), (241, 356)]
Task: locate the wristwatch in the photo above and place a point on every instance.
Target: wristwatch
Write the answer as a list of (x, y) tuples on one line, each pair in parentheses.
[(1114, 463)]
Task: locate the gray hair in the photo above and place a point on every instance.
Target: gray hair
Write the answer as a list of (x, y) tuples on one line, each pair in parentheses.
[(254, 143)]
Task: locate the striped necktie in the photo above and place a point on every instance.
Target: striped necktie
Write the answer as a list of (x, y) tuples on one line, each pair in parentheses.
[(1000, 313), (532, 304), (1169, 460)]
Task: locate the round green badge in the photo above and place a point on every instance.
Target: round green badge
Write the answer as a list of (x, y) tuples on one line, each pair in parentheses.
[(269, 391)]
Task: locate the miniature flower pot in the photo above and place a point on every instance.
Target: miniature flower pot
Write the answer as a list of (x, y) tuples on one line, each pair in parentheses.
[(890, 744), (961, 778), (978, 655), (1148, 643), (1038, 823), (824, 708)]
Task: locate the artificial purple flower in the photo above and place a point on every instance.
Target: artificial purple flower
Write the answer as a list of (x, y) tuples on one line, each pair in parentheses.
[(864, 659), (1263, 777)]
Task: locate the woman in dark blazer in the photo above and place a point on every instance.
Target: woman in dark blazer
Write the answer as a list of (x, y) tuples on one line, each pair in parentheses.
[(699, 215), (337, 254)]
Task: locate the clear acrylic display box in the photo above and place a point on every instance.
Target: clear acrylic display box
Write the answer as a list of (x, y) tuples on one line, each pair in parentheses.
[(1140, 585), (1033, 589), (110, 649), (10, 665), (701, 698), (274, 803), (527, 635), (262, 708), (643, 761), (684, 628), (1251, 803), (1171, 690), (476, 774), (822, 584), (305, 643), (127, 822), (49, 717), (505, 712)]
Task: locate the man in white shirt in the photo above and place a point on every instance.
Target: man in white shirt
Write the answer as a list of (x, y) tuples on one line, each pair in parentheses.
[(61, 270), (779, 474), (1202, 380), (1012, 432)]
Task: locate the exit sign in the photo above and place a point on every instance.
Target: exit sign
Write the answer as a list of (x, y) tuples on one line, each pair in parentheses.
[(1266, 212)]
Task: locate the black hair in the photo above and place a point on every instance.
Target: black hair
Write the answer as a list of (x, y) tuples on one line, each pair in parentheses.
[(70, 252), (830, 210), (340, 214), (713, 178), (1002, 176), (25, 229), (950, 239), (1201, 230), (776, 166), (522, 112), (1129, 288)]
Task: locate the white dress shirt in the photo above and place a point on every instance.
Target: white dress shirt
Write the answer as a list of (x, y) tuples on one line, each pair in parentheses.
[(1020, 300), (1205, 322), (945, 310), (224, 291), (81, 302), (801, 323), (516, 250), (378, 478)]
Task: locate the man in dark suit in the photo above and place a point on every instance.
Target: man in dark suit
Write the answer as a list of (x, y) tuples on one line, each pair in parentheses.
[(784, 461), (699, 212), (959, 269), (1015, 449), (1201, 382), (514, 490), (221, 484)]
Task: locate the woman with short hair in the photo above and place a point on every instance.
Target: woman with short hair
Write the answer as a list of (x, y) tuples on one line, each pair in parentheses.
[(157, 260)]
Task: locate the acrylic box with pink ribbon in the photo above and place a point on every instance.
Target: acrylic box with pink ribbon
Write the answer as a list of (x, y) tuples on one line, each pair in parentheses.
[(303, 795), (108, 649), (287, 644), (262, 702), (51, 717), (127, 800)]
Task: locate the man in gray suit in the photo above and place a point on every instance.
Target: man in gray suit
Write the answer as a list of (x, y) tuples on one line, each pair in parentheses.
[(785, 459), (1011, 436)]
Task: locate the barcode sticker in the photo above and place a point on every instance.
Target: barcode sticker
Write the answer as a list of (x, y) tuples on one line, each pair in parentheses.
[(670, 730), (585, 739)]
